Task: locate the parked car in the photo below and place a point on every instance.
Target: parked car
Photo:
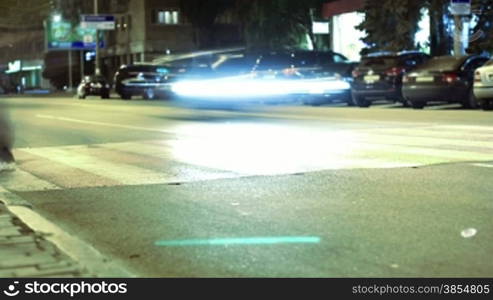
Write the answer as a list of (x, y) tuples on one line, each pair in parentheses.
[(315, 77), (483, 86), (444, 78), (321, 77), (94, 86), (379, 75), (146, 80)]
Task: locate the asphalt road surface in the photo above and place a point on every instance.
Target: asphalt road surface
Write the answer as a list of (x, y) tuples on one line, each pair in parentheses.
[(268, 191)]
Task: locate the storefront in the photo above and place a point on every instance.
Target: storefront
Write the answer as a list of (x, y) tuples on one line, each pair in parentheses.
[(26, 75)]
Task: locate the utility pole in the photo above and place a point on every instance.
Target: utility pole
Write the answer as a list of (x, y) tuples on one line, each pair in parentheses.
[(460, 9), (70, 70), (81, 52), (459, 38), (97, 67)]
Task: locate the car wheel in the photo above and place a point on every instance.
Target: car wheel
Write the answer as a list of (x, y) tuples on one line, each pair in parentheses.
[(349, 100), (404, 101), (486, 104), (126, 96), (471, 101), (417, 104), (361, 101)]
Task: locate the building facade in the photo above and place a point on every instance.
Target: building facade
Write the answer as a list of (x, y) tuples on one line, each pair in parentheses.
[(22, 45), (147, 29)]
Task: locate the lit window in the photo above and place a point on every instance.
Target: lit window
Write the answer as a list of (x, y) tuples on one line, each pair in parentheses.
[(167, 17)]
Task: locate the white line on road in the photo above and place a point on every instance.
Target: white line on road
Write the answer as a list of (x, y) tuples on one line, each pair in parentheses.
[(483, 165), (103, 124), (120, 172)]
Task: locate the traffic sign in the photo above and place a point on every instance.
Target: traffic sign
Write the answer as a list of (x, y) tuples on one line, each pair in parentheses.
[(62, 35), (460, 7), (99, 22)]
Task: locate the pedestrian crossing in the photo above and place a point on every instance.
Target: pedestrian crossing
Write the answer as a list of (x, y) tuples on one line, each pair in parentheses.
[(239, 150)]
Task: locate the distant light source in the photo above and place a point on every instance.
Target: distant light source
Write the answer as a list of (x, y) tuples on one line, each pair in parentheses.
[(321, 28), (57, 18)]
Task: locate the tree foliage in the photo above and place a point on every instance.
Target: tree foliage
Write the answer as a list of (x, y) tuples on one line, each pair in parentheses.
[(202, 15), (482, 34), (56, 70), (441, 41), (278, 23), (391, 25)]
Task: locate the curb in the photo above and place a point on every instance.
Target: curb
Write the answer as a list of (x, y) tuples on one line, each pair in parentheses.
[(74, 258)]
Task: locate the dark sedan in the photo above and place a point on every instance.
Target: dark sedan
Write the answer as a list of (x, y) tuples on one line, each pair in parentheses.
[(94, 86), (379, 75), (444, 78), (146, 80)]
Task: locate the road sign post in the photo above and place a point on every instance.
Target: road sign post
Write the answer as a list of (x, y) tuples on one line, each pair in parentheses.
[(98, 22), (459, 9)]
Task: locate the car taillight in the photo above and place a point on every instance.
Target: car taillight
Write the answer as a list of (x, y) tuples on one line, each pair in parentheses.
[(396, 71), (450, 77), (477, 76), (356, 73)]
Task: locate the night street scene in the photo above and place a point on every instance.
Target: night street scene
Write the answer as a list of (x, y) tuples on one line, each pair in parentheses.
[(246, 139)]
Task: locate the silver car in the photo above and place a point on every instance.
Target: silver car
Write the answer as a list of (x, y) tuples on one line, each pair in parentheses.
[(483, 85)]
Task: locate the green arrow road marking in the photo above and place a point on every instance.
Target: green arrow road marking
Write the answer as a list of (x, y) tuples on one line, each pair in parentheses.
[(240, 241)]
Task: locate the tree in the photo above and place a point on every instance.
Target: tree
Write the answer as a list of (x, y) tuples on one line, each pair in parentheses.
[(440, 40), (56, 70), (278, 23), (202, 15), (481, 39), (391, 25)]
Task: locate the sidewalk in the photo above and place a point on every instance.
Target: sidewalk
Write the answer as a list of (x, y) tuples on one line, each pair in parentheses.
[(24, 253), (55, 94)]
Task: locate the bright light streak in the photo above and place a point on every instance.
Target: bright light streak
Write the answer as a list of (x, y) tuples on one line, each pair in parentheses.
[(240, 241), (250, 87), (262, 149)]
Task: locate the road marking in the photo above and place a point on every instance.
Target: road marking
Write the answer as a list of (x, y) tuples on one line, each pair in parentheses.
[(483, 165), (97, 123), (204, 151), (120, 172), (240, 241), (467, 127)]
